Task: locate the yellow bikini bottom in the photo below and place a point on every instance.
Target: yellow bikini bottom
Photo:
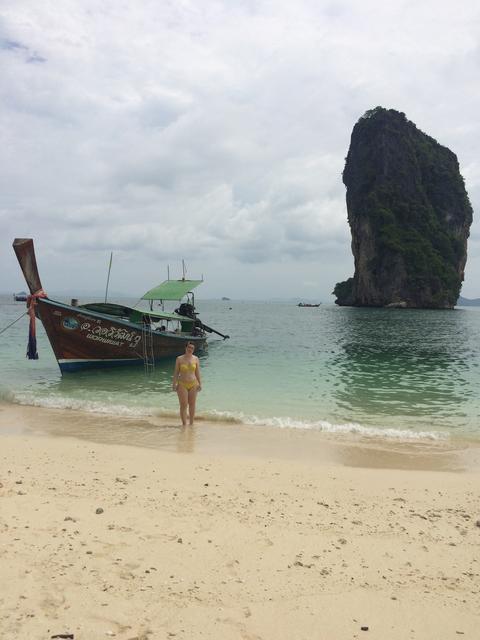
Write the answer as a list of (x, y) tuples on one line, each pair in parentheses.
[(188, 385)]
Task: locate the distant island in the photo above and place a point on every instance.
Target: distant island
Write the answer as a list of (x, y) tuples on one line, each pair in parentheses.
[(225, 298), (466, 302), (409, 216)]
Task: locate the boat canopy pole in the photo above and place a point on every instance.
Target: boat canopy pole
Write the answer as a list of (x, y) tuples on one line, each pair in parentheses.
[(108, 277)]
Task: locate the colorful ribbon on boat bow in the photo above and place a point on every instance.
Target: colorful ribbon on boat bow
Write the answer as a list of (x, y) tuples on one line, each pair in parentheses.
[(32, 334)]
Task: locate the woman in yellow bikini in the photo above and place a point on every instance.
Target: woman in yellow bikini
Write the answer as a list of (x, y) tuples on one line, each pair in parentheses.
[(187, 382)]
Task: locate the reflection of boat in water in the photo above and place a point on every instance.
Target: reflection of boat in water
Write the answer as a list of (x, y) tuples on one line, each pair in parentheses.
[(20, 297), (104, 334), (308, 304)]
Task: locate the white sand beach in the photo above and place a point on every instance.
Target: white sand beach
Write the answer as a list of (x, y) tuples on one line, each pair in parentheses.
[(105, 540)]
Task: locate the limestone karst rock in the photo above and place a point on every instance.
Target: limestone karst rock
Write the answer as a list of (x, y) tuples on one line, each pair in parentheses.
[(409, 215)]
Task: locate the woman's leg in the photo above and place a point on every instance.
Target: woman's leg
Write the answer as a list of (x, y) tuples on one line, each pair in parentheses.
[(182, 394), (192, 398)]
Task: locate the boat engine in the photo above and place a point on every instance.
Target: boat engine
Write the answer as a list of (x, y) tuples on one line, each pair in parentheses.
[(186, 309)]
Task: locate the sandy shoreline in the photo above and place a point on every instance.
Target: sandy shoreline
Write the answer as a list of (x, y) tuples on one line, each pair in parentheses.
[(245, 545), (217, 438)]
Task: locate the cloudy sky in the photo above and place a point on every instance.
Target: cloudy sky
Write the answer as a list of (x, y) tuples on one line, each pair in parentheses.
[(215, 131)]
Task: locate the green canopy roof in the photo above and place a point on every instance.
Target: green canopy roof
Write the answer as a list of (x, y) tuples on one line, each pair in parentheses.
[(171, 290)]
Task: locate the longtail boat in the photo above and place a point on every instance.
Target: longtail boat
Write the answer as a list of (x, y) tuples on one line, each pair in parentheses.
[(103, 334)]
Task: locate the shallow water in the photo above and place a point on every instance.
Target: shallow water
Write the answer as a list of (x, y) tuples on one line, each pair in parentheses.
[(399, 373)]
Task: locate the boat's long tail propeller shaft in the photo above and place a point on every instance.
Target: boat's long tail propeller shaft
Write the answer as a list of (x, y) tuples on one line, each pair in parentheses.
[(210, 330)]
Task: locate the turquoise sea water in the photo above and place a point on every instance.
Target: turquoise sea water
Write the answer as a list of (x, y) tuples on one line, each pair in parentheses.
[(398, 373)]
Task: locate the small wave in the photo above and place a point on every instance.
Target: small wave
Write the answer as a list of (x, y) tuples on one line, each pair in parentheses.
[(327, 427), (7, 396), (349, 428), (88, 406)]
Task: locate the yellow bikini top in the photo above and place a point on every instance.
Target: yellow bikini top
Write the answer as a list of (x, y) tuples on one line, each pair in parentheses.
[(188, 367)]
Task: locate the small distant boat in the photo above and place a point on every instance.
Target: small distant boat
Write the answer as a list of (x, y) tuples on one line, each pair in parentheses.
[(20, 297), (308, 304), (103, 334)]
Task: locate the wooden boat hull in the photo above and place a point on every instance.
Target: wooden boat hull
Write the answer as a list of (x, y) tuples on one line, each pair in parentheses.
[(83, 339)]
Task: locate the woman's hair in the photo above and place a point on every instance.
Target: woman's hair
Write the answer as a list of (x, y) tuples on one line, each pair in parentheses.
[(189, 344)]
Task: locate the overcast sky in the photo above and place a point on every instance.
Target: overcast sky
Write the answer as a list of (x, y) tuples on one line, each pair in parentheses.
[(215, 131)]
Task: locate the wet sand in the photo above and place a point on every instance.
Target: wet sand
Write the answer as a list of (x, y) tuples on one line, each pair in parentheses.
[(231, 532), (229, 438)]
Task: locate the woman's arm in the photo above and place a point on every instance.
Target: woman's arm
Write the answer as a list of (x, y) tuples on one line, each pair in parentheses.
[(197, 374), (175, 375)]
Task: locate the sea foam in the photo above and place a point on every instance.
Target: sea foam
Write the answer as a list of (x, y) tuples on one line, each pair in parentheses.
[(324, 426), (279, 422)]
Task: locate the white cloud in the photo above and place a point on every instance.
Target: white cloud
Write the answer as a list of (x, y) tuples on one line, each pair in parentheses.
[(215, 131)]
